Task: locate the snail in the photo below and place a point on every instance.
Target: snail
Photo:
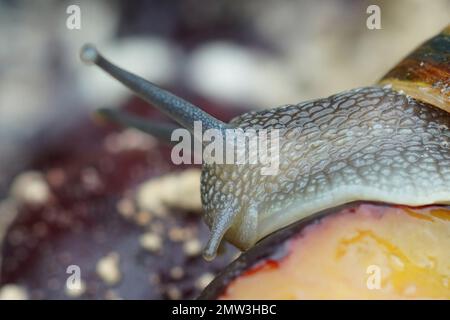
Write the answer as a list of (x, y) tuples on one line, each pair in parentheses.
[(385, 143)]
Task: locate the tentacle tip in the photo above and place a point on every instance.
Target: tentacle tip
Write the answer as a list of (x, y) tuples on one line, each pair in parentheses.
[(89, 54), (210, 251), (209, 256)]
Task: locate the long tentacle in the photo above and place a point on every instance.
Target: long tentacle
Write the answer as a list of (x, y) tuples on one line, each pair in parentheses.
[(161, 131), (178, 109)]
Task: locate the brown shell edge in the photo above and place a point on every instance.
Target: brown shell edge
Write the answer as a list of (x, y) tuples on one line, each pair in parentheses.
[(425, 73)]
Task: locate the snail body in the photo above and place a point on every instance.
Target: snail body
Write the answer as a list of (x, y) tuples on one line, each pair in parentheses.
[(388, 142), (369, 144)]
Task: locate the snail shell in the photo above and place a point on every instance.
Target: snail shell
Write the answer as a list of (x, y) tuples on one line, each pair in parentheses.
[(425, 73)]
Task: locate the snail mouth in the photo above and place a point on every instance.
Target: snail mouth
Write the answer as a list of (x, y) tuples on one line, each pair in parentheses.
[(305, 207)]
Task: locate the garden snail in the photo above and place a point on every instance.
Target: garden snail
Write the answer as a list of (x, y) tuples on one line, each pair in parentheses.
[(388, 143)]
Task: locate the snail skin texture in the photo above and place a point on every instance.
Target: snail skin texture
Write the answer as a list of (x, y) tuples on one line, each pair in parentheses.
[(370, 144)]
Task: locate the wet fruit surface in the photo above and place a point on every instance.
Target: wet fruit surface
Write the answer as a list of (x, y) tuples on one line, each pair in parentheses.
[(362, 251)]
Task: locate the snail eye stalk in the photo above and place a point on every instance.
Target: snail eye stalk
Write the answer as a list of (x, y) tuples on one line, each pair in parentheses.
[(178, 109), (161, 131)]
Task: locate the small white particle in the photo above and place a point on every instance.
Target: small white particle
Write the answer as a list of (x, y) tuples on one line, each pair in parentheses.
[(76, 292), (13, 292), (126, 208), (204, 280), (192, 247), (30, 187), (178, 190), (173, 292), (151, 242), (108, 268), (129, 139)]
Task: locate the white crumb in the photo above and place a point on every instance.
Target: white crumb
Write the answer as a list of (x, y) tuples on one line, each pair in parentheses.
[(30, 187), (180, 190), (192, 247), (129, 139), (204, 280), (173, 292), (108, 268), (125, 207), (151, 242), (13, 292), (76, 291)]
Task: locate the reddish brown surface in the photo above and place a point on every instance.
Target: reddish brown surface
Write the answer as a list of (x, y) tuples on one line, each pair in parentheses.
[(263, 266)]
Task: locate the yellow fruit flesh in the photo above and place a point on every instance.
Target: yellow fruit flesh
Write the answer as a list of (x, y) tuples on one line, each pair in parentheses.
[(368, 252)]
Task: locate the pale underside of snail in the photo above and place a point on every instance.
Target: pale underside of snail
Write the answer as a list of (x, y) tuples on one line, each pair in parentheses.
[(388, 142)]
